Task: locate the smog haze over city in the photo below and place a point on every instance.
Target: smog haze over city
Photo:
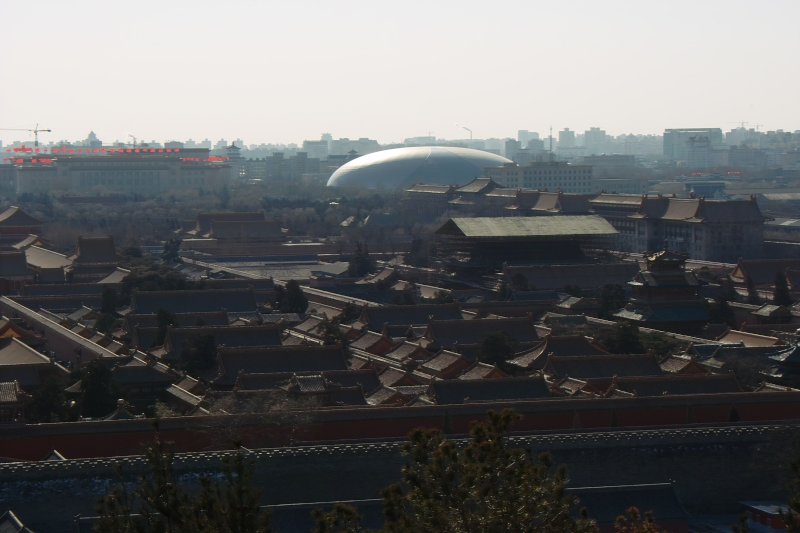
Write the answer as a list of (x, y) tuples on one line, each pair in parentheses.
[(286, 71)]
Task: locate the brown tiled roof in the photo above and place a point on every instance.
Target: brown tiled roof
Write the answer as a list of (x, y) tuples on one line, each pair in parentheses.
[(42, 258), (763, 271), (28, 241), (246, 230), (483, 371), (749, 339), (672, 384), (205, 220), (182, 320), (15, 353), (445, 365), (14, 216), (567, 204), (602, 366), (559, 345), (194, 301), (626, 199), (232, 336), (13, 265), (675, 364), (478, 185), (545, 277), (95, 250), (727, 211), (272, 359), (460, 391), (431, 189), (450, 333), (408, 350), (408, 315)]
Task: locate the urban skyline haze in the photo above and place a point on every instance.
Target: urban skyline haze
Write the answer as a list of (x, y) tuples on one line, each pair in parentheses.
[(282, 71)]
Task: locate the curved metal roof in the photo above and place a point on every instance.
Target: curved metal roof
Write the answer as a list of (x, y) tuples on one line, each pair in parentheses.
[(403, 167)]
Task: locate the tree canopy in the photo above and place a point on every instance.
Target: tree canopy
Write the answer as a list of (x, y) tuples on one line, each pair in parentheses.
[(484, 486)]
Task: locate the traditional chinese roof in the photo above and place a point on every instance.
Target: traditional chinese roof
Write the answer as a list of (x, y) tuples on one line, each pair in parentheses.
[(42, 258), (528, 227), (407, 315), (14, 265), (478, 186), (558, 345), (445, 365), (763, 271), (272, 359), (461, 391), (748, 339), (451, 333), (14, 216), (94, 250), (602, 366), (586, 275), (178, 339), (194, 301)]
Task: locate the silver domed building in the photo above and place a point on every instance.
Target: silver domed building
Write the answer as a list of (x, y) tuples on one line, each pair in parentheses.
[(402, 167)]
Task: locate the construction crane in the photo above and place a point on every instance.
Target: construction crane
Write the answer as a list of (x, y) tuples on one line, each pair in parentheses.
[(35, 131)]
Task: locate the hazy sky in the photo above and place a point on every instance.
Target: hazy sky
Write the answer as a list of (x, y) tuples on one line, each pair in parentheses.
[(284, 71)]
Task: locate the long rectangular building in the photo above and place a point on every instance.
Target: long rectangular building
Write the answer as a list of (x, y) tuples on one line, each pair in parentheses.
[(147, 172)]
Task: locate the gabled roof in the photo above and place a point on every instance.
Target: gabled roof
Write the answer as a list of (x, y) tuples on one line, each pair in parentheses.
[(95, 250), (676, 364), (670, 384), (483, 371), (14, 216), (528, 227), (559, 345), (461, 391), (28, 241), (116, 277), (16, 353), (749, 339), (602, 366), (408, 315), (9, 523), (567, 204), (763, 271), (205, 220), (240, 230), (274, 359), (450, 333), (13, 265), (431, 189), (232, 336), (478, 186), (585, 275), (194, 301), (445, 365), (46, 259)]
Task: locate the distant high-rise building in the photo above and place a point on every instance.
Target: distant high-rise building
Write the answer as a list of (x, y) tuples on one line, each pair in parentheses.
[(524, 137), (316, 149), (511, 148), (595, 141), (678, 142), (566, 138), (548, 176)]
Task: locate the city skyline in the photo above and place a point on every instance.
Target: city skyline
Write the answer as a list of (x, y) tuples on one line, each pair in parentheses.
[(281, 73)]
